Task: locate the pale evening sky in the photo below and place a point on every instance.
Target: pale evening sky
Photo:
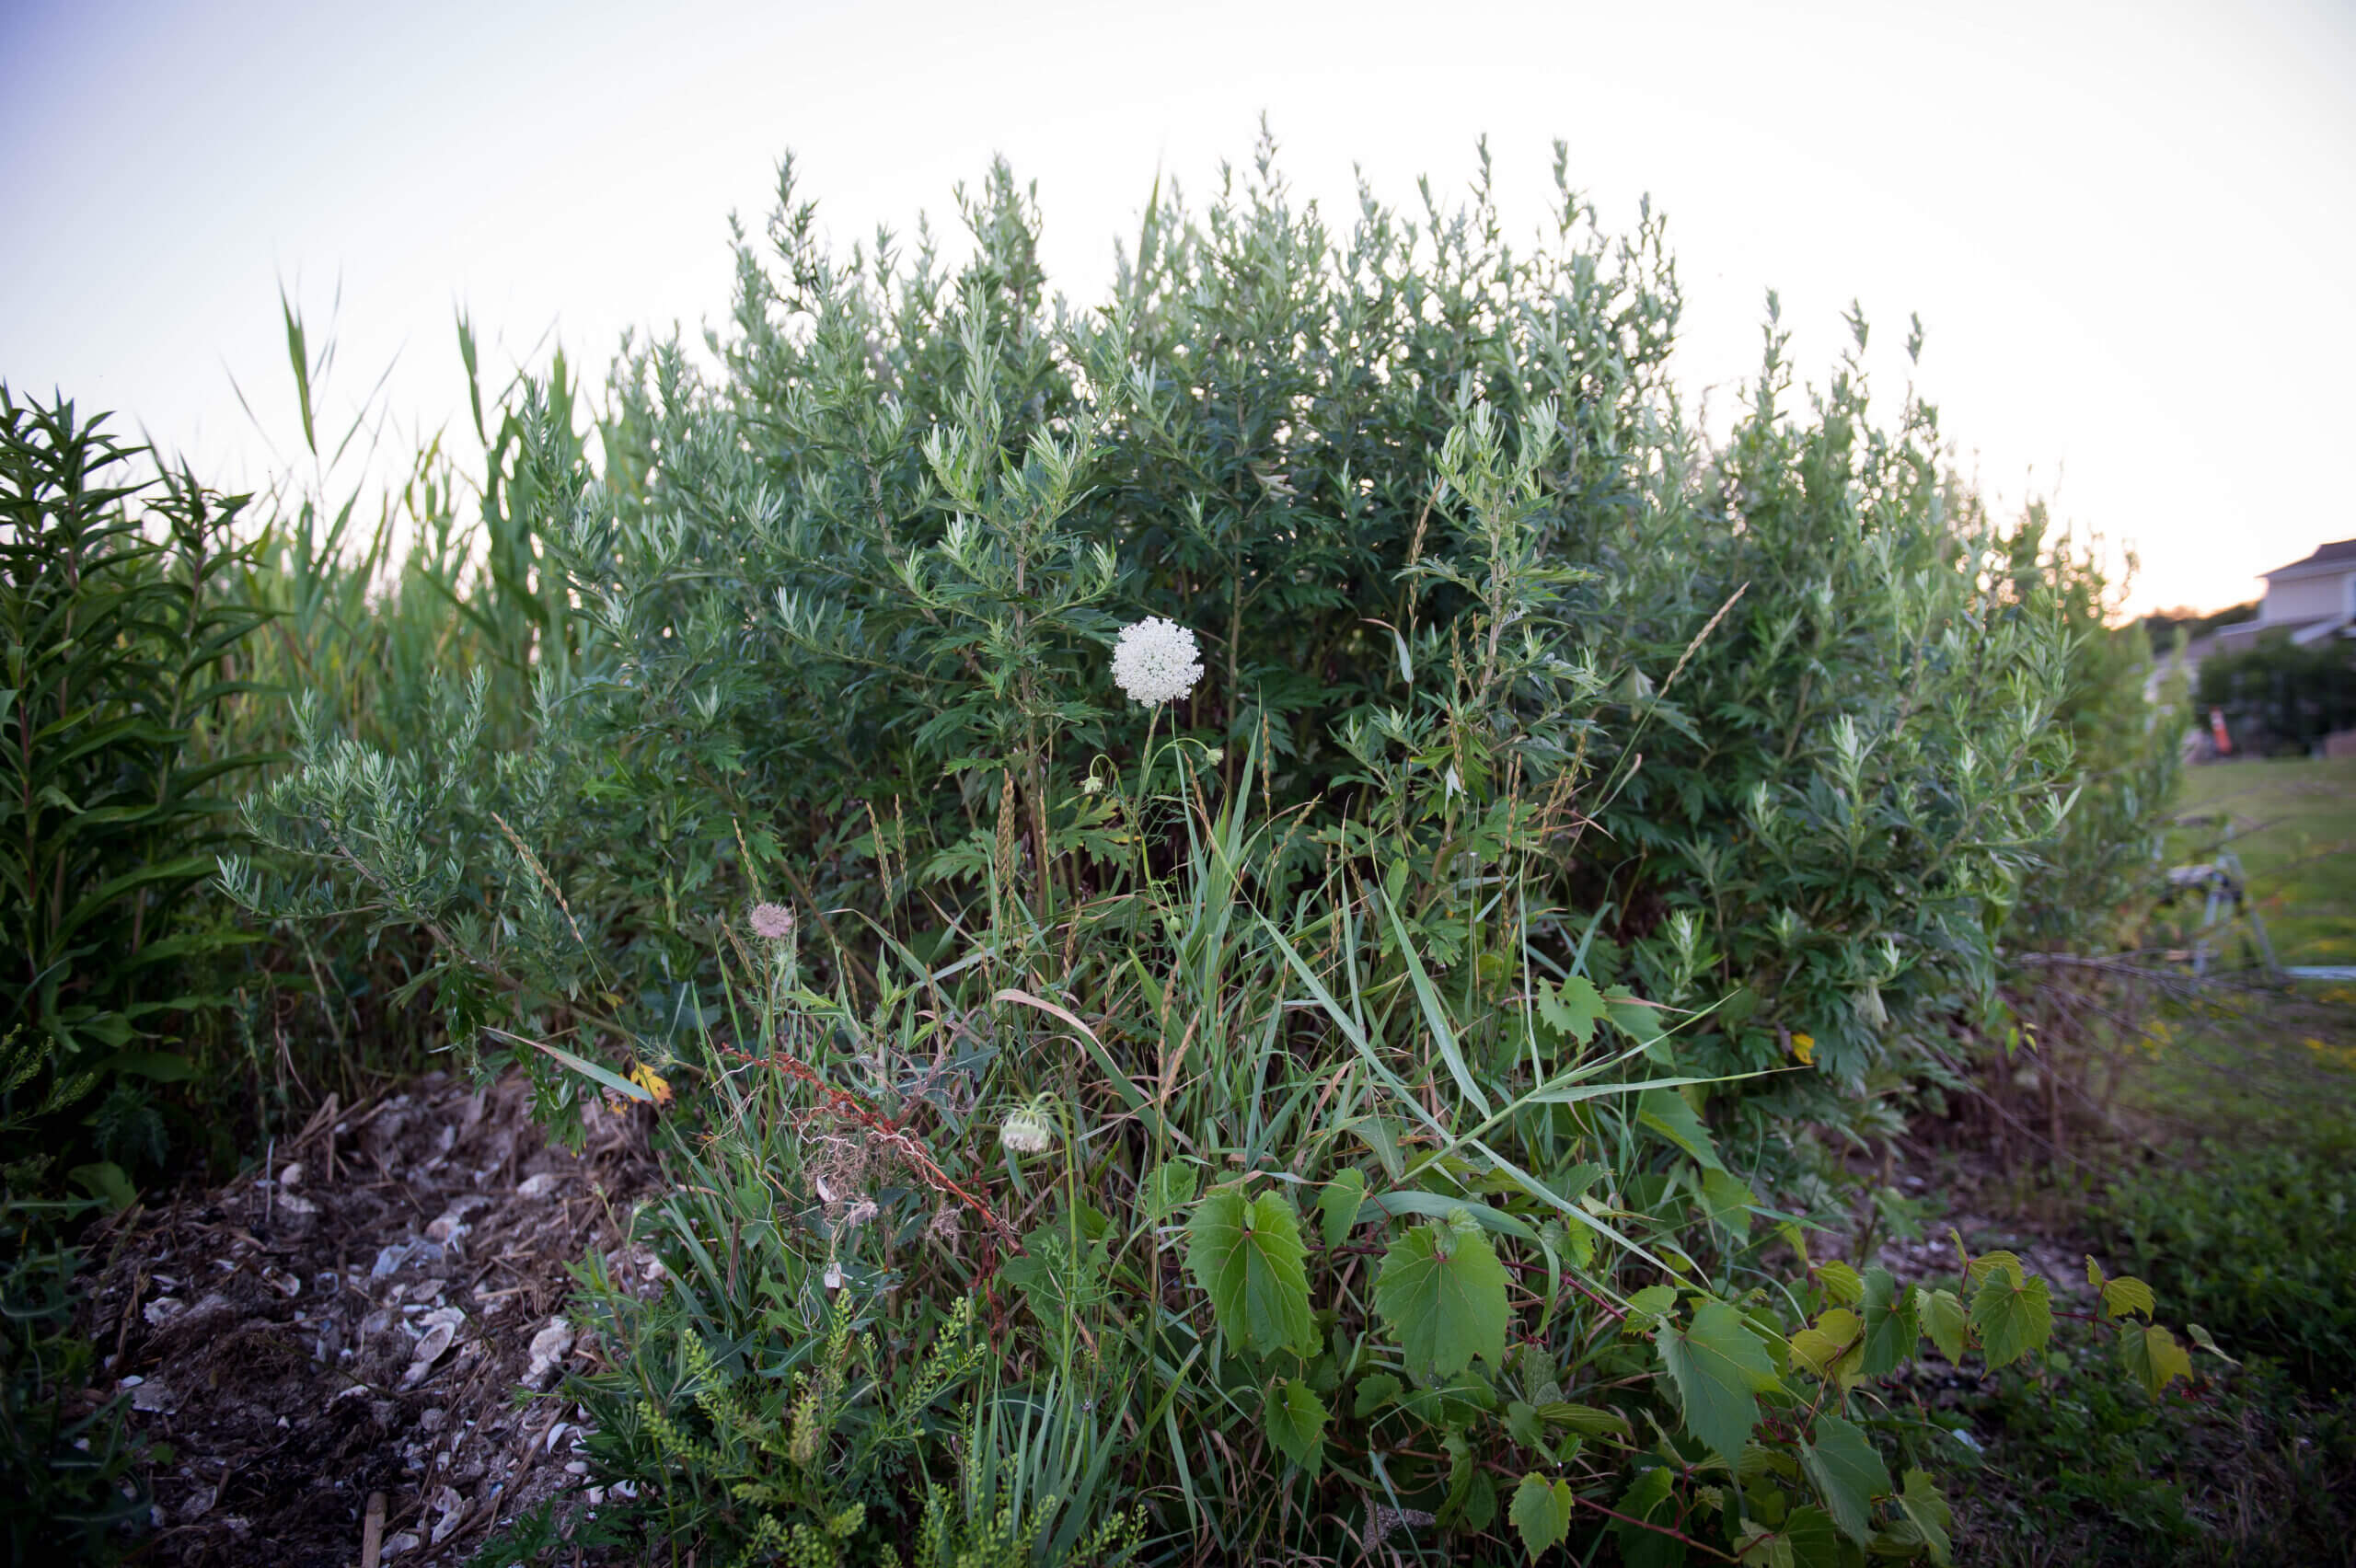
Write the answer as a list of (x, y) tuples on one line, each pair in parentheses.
[(2129, 229)]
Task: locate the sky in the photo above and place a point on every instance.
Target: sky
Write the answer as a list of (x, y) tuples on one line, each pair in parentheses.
[(2127, 229)]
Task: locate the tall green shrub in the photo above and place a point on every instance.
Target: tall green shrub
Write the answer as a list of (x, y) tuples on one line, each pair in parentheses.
[(120, 625)]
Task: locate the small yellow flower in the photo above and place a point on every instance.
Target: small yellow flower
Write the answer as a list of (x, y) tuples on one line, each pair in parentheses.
[(1804, 1049), (647, 1078)]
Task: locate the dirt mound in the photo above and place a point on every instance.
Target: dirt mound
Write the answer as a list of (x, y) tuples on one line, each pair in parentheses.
[(357, 1319)]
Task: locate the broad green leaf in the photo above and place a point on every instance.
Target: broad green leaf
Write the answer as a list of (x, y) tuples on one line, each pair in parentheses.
[(1646, 1308), (1524, 1426), (1892, 1332), (1836, 1340), (1941, 1315), (1542, 1514), (1729, 1200), (1374, 1393), (2014, 1312), (1841, 1282), (1720, 1369), (1168, 1187), (1665, 1112), (1814, 1543), (1246, 1254), (1337, 1205), (1848, 1473), (1646, 1500), (1573, 1008), (2127, 1294), (1443, 1293), (1929, 1514), (1295, 1418), (2152, 1356)]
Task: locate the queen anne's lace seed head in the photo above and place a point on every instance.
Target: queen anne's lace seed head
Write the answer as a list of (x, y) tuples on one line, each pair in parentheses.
[(1156, 661), (772, 922), (1026, 1131)]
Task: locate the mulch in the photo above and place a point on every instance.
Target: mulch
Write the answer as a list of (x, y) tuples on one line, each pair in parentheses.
[(356, 1319)]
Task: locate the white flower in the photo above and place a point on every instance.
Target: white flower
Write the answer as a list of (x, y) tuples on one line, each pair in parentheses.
[(1026, 1131), (1156, 661), (773, 921), (1091, 785), (1214, 756)]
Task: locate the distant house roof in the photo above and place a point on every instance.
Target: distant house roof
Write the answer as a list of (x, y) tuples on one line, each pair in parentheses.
[(2338, 556)]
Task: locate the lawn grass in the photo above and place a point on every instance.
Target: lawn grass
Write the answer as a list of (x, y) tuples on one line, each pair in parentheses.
[(2292, 824)]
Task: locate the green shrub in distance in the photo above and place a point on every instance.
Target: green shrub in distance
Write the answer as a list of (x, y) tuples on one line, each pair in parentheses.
[(120, 623)]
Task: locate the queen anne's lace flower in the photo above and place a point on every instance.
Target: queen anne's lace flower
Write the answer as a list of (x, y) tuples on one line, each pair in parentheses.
[(772, 922), (1156, 661)]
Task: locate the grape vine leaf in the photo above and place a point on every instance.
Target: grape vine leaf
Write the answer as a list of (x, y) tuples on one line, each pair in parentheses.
[(1837, 1340), (1167, 1188), (1929, 1514), (2013, 1310), (1809, 1531), (1443, 1293), (1841, 1282), (2152, 1356), (1720, 1370), (1574, 1010), (1541, 1513), (1848, 1473), (1295, 1418), (1941, 1315), (1891, 1331), (1337, 1205), (1246, 1254)]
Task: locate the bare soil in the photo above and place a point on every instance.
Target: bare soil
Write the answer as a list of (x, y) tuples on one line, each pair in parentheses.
[(361, 1317)]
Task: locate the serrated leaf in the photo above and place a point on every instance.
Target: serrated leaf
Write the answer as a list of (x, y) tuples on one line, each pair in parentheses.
[(2152, 1356), (1929, 1514), (1729, 1200), (1337, 1205), (1246, 1255), (1572, 1008), (1443, 1292), (1646, 1308), (1941, 1316), (1646, 1497), (2013, 1312), (1841, 1282), (1374, 1393), (2127, 1294), (1540, 1514), (1666, 1112), (1891, 1331), (1523, 1425), (1848, 1473), (1814, 1541), (1838, 1336), (1719, 1369), (1295, 1419)]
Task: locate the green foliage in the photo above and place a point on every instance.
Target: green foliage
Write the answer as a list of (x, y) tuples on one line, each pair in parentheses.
[(2253, 1244), (71, 1474), (121, 624), (1518, 702)]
